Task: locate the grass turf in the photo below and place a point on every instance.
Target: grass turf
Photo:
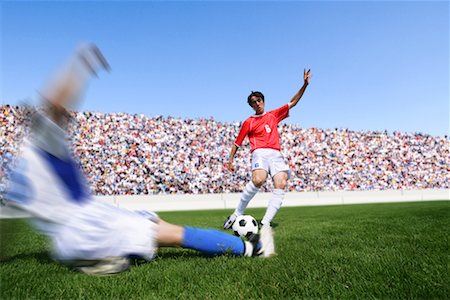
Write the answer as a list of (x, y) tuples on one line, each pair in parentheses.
[(395, 251)]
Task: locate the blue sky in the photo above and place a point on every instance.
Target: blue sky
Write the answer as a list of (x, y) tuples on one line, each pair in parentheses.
[(378, 65)]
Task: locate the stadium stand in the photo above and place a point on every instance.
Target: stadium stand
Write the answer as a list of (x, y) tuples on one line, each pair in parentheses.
[(130, 154)]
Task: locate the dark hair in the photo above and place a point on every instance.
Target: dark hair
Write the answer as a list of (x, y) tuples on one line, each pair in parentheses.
[(256, 94)]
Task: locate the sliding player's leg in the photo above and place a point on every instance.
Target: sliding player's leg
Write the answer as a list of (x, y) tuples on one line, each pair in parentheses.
[(207, 241)]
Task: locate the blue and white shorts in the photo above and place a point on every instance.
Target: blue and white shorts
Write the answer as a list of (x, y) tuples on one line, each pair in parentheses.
[(270, 160)]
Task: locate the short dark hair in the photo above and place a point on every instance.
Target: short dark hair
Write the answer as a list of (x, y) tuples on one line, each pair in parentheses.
[(256, 94)]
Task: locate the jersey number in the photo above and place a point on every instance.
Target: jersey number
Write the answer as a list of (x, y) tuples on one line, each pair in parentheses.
[(268, 130)]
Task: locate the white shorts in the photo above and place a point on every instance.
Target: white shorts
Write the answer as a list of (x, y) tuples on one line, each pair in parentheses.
[(270, 160), (100, 230)]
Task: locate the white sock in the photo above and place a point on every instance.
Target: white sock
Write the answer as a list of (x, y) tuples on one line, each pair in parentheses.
[(249, 192), (274, 205)]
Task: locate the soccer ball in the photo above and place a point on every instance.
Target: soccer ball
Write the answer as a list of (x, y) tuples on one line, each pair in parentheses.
[(244, 226)]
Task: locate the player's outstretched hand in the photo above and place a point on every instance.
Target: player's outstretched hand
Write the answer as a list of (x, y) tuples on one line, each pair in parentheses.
[(306, 75)]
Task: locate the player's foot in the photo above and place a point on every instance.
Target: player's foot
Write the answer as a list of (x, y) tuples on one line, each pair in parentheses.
[(267, 243), (254, 240), (100, 57), (106, 266), (229, 221)]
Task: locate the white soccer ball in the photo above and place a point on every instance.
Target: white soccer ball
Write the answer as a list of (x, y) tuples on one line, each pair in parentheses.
[(244, 226)]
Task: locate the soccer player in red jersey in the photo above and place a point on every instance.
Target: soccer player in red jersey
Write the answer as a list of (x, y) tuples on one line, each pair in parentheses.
[(262, 132)]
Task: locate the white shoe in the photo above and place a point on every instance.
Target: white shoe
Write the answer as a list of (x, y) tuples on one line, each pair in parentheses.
[(252, 246), (267, 242), (106, 266), (229, 221), (93, 59)]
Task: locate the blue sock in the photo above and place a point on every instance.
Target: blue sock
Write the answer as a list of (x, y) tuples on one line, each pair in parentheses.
[(212, 241)]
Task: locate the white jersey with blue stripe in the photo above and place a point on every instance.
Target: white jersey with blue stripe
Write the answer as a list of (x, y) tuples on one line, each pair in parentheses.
[(80, 227), (46, 186)]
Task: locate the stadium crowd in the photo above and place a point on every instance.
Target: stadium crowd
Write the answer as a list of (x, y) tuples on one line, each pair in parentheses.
[(133, 154)]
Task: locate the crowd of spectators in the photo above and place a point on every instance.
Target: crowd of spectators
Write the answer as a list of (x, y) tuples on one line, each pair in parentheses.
[(134, 154)]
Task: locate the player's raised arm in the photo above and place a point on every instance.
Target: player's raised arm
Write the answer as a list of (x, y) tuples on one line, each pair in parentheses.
[(299, 94)]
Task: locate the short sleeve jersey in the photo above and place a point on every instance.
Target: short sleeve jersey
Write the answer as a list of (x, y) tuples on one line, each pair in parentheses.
[(262, 130)]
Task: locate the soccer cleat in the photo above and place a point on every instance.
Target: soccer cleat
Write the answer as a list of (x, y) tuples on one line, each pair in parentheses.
[(254, 240), (252, 245), (106, 266), (100, 58), (93, 59), (267, 243), (229, 221)]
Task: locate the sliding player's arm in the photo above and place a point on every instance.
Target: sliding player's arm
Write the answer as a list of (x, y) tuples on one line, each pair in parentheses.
[(296, 98)]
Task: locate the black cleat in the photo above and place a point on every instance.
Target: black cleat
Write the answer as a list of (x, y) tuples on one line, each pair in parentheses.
[(229, 221)]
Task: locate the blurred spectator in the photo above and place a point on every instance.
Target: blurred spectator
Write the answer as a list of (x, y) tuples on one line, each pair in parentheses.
[(133, 154)]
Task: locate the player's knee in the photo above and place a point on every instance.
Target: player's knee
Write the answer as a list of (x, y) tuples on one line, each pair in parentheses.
[(258, 182), (259, 177), (280, 181), (281, 185)]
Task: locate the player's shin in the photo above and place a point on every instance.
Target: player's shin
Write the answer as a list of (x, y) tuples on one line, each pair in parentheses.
[(249, 192), (212, 242), (273, 207)]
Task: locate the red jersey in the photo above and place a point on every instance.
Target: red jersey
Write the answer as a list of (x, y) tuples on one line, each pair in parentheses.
[(262, 130)]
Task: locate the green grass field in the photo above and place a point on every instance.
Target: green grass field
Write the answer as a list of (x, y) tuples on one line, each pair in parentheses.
[(372, 251)]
